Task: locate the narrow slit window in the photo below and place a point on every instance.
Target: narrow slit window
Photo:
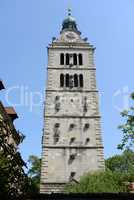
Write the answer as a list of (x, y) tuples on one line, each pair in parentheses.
[(71, 81), (72, 175), (62, 80), (62, 59), (71, 126), (81, 80), (67, 59), (57, 125), (75, 80), (72, 140), (80, 59), (87, 140), (86, 126), (67, 80), (75, 58), (57, 98)]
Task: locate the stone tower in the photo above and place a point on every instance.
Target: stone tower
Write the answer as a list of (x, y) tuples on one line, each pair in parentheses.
[(71, 143)]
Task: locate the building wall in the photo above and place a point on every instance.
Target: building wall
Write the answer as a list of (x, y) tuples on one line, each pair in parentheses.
[(7, 126), (86, 148), (54, 59)]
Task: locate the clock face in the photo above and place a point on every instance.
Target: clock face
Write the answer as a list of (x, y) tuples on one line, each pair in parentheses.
[(70, 36)]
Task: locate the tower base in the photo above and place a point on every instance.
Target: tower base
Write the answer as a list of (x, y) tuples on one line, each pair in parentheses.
[(49, 188)]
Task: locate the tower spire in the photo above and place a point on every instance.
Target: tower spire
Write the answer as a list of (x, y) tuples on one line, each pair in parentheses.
[(69, 11)]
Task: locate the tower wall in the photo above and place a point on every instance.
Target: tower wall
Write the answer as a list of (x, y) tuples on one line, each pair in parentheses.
[(72, 142)]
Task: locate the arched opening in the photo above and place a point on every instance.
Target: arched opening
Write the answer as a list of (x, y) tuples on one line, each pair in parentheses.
[(80, 59), (62, 58), (67, 80), (62, 80), (71, 81), (75, 80), (81, 80), (75, 58), (67, 59)]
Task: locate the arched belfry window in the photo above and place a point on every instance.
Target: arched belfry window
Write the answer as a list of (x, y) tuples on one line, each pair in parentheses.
[(80, 59), (75, 58), (75, 80), (67, 80), (81, 80), (62, 80), (62, 58), (71, 81), (67, 59)]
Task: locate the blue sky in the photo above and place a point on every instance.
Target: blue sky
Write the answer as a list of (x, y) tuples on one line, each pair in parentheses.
[(26, 28)]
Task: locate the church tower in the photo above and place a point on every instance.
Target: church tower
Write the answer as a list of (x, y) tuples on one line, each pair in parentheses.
[(71, 143)]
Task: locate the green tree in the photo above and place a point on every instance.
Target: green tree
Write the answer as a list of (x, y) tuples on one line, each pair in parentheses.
[(123, 163), (128, 127), (119, 172), (107, 181), (34, 173)]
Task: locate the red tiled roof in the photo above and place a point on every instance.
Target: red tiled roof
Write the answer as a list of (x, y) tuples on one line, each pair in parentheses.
[(11, 112)]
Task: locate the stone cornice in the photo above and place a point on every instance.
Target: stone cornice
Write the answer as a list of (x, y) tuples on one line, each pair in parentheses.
[(78, 91), (72, 147), (70, 68), (67, 116), (71, 46)]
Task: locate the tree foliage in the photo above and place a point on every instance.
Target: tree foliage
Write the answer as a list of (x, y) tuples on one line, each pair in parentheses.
[(107, 181), (128, 127), (34, 173), (12, 176), (118, 174), (123, 163)]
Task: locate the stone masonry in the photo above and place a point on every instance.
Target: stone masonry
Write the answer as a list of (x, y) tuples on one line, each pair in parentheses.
[(72, 142)]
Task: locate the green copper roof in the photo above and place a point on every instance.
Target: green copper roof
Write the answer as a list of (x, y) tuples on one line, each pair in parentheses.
[(69, 22)]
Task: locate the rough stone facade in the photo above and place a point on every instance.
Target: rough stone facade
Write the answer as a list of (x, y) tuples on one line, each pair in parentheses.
[(71, 143)]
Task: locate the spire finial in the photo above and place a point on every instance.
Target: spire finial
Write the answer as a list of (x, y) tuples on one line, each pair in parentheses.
[(69, 11)]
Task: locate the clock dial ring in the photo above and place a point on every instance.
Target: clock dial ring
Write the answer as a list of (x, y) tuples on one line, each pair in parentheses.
[(71, 36)]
